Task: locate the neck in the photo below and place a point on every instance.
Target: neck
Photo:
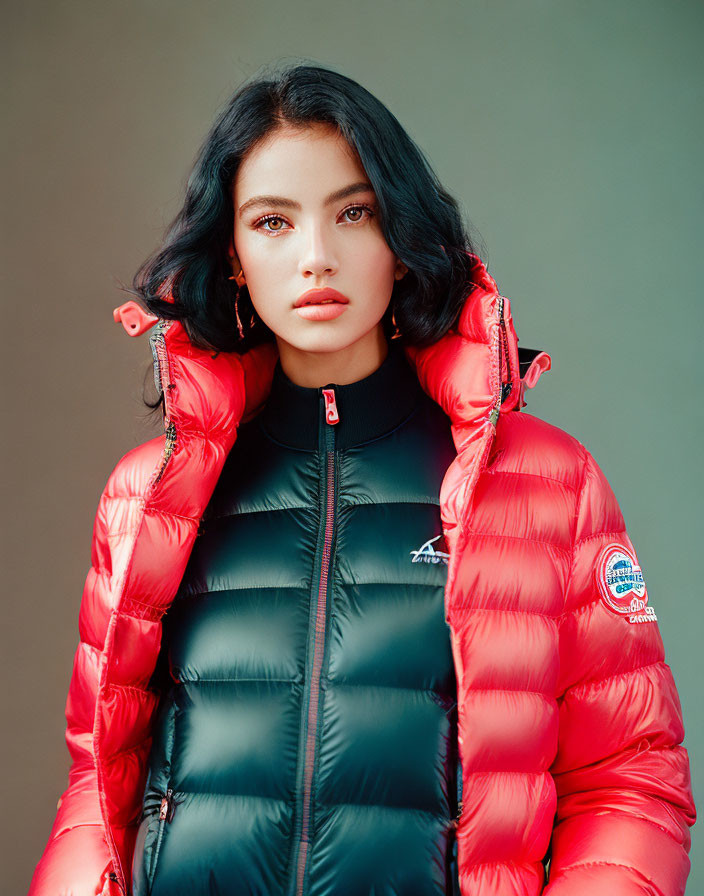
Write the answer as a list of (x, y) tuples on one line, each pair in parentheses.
[(312, 369)]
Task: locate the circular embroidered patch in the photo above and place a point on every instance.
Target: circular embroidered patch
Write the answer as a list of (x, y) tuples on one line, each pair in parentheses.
[(620, 580)]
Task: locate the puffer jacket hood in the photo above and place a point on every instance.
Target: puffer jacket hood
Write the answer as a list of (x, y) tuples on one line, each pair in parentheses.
[(570, 727)]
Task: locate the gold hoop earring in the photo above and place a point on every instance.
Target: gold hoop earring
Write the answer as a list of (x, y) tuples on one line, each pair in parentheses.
[(240, 328), (239, 277)]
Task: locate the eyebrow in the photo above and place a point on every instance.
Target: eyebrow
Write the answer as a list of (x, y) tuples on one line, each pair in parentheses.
[(283, 202)]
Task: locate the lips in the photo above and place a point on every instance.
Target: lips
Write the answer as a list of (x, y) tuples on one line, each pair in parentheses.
[(321, 297)]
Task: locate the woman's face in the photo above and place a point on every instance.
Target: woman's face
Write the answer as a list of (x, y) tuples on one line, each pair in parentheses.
[(305, 217)]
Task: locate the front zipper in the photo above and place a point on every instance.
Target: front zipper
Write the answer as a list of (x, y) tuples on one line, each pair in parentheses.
[(316, 635), (160, 355), (455, 823), (504, 389), (504, 338), (167, 807), (166, 814), (163, 382), (459, 789), (169, 446), (114, 878)]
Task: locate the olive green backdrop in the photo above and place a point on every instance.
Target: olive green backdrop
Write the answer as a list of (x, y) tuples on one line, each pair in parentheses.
[(570, 131)]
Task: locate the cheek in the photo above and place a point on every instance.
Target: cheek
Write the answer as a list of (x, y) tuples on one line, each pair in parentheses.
[(377, 262), (263, 272), (244, 246)]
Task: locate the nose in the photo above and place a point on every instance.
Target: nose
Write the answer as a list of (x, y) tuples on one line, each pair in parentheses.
[(317, 256)]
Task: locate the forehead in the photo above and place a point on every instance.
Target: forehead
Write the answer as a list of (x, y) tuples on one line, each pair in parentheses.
[(308, 161)]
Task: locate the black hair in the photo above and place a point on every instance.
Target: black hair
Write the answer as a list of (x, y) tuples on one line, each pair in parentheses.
[(421, 222)]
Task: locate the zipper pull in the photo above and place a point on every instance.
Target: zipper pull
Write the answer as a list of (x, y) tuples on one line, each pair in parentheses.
[(112, 876), (166, 811), (331, 414)]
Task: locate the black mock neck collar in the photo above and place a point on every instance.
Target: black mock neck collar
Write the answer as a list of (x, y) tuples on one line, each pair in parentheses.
[(367, 409)]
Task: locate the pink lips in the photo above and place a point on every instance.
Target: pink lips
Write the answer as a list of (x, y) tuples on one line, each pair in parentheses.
[(321, 304)]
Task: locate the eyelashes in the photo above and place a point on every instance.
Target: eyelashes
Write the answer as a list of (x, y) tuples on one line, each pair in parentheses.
[(260, 222)]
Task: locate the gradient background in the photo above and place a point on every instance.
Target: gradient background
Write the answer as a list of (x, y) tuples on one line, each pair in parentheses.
[(571, 132)]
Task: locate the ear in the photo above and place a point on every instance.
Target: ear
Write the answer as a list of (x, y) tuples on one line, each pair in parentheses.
[(235, 264), (401, 270)]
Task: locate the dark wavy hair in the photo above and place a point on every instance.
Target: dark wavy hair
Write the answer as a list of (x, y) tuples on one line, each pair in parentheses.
[(421, 222)]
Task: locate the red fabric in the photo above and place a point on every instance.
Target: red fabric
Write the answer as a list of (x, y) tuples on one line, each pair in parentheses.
[(570, 724)]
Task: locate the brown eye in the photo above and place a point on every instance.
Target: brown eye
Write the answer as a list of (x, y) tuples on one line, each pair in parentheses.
[(358, 210), (267, 220)]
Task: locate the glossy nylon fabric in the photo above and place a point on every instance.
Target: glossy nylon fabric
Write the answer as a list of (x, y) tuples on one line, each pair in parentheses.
[(242, 638), (570, 727)]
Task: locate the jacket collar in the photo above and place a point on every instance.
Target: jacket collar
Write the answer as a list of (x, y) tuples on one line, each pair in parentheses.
[(366, 409), (471, 372)]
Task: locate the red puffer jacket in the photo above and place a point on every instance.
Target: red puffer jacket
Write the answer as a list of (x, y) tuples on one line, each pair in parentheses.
[(569, 721)]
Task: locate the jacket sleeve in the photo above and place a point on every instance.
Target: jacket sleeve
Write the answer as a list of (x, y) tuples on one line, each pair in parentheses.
[(624, 801), (76, 861)]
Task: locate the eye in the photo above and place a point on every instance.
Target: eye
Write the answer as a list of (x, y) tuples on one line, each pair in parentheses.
[(265, 220), (359, 208)]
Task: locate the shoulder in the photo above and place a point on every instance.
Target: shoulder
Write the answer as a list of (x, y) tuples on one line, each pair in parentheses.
[(556, 462), (528, 444), (119, 502), (131, 473)]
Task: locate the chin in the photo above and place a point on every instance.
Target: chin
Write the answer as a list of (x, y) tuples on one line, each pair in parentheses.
[(325, 338)]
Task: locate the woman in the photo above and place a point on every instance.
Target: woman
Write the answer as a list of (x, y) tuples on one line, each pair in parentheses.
[(355, 624)]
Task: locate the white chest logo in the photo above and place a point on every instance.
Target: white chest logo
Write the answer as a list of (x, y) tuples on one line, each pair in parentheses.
[(426, 553)]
